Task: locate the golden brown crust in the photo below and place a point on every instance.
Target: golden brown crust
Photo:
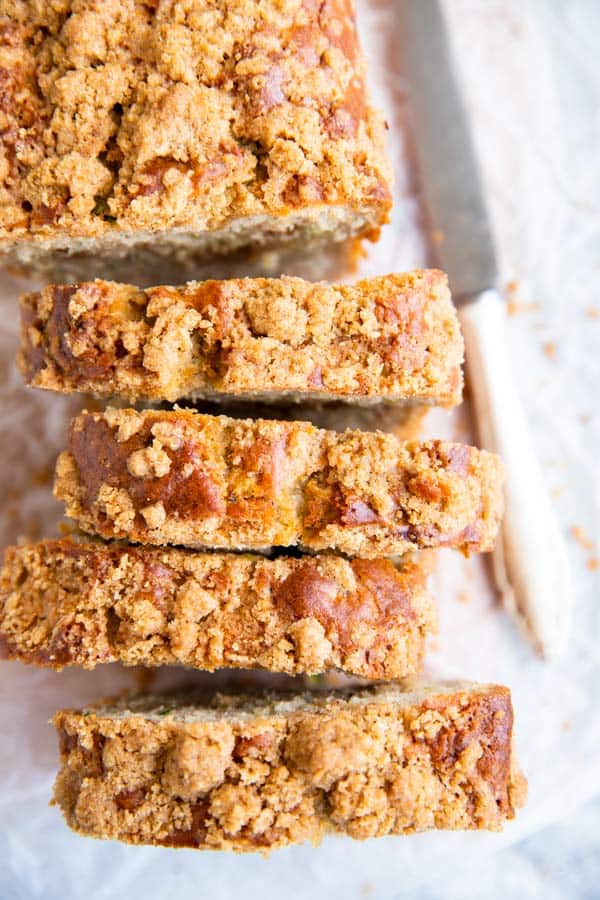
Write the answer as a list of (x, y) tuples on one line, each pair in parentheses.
[(128, 117), (393, 338), (68, 602), (178, 477), (249, 774)]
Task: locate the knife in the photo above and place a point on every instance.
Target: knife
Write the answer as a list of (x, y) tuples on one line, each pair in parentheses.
[(530, 563)]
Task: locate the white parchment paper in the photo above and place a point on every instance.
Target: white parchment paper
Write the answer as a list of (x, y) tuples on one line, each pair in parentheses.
[(532, 82)]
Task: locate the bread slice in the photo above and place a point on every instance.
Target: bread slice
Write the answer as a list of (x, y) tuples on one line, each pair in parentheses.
[(256, 773), (394, 339), (177, 477), (70, 602), (144, 131)]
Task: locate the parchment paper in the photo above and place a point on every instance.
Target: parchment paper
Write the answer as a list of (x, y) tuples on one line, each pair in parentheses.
[(532, 83)]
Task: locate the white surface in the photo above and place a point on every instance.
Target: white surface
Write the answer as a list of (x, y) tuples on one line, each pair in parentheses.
[(532, 81)]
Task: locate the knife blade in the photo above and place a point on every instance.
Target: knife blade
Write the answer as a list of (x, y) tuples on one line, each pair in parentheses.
[(451, 181), (530, 564)]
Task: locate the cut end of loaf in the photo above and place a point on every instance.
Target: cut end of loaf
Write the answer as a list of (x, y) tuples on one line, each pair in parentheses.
[(180, 139)]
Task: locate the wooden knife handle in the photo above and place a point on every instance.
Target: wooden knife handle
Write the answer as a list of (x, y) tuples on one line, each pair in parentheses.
[(530, 561)]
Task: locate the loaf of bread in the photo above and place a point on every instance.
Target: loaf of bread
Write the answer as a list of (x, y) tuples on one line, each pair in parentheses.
[(178, 477), (143, 131)]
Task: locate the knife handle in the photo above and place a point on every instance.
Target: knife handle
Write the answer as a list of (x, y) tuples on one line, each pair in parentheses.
[(530, 561)]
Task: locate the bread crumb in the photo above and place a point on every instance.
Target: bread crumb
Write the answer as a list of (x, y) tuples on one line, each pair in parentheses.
[(581, 537), (464, 598), (149, 462), (514, 307), (592, 312), (593, 564), (549, 349), (154, 515), (311, 643)]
